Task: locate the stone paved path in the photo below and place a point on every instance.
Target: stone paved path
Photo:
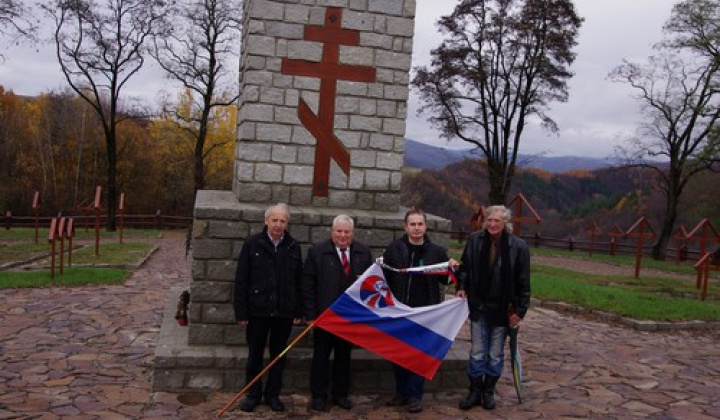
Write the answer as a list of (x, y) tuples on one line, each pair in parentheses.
[(87, 353)]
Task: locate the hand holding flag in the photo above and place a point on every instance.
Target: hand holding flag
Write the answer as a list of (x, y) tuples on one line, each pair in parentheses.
[(416, 338)]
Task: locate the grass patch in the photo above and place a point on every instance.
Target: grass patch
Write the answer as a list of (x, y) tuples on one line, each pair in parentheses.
[(22, 251), (73, 276), (81, 273), (622, 296)]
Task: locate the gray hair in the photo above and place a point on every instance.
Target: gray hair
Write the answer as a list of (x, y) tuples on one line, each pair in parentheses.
[(279, 206), (343, 219), (504, 212)]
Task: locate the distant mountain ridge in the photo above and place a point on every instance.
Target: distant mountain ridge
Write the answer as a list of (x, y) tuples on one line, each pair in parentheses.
[(424, 156)]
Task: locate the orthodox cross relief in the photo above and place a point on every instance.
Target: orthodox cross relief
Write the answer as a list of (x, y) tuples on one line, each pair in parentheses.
[(329, 70)]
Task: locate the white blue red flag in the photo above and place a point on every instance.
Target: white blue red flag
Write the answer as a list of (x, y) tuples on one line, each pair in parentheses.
[(368, 315)]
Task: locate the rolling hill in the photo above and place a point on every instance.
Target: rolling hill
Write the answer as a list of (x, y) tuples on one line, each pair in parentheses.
[(424, 156)]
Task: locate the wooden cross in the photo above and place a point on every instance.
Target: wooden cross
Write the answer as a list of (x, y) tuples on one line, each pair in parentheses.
[(329, 70)]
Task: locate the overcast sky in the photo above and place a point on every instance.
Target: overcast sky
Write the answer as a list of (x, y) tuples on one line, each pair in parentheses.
[(598, 115)]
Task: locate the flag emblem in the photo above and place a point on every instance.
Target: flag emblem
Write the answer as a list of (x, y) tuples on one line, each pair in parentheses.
[(374, 292)]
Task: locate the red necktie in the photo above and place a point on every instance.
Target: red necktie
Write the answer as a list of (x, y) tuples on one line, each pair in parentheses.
[(345, 265)]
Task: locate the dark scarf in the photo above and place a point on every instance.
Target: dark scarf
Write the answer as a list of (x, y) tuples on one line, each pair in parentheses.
[(486, 274)]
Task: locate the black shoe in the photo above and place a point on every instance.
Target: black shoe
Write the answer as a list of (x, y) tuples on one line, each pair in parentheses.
[(397, 401), (249, 404), (275, 403), (343, 402), (318, 404), (414, 406)]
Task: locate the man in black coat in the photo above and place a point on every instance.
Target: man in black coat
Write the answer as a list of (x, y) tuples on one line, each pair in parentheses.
[(267, 291), (495, 278), (414, 249), (330, 268)]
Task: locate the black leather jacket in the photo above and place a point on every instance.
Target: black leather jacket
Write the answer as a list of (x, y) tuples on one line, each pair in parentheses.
[(470, 281)]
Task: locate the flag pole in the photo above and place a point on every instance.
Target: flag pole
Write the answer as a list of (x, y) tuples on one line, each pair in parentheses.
[(257, 377)]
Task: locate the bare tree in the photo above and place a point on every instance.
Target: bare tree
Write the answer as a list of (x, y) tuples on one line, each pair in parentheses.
[(679, 93), (99, 48), (15, 22), (196, 55), (503, 62)]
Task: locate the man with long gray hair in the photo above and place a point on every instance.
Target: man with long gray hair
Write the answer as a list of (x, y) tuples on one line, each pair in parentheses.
[(495, 278)]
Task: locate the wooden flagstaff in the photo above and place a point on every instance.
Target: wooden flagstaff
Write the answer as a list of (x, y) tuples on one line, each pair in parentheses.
[(269, 365)]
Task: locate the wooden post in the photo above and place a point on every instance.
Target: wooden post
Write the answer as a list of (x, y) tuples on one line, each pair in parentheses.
[(122, 215), (36, 210), (96, 205), (61, 236), (70, 233), (51, 239), (594, 230), (638, 230), (638, 250), (8, 218), (706, 278)]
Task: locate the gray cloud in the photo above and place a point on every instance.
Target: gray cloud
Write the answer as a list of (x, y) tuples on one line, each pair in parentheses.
[(598, 115)]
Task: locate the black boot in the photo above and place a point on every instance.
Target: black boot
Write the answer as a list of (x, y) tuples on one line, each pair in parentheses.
[(489, 392), (475, 395)]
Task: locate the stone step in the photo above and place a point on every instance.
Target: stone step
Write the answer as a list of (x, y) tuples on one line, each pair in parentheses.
[(182, 367)]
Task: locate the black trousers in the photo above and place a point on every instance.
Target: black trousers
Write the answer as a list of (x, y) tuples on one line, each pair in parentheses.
[(275, 332), (325, 343)]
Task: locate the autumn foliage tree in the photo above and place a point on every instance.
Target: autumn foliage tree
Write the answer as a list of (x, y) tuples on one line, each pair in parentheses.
[(503, 62), (197, 54), (100, 46)]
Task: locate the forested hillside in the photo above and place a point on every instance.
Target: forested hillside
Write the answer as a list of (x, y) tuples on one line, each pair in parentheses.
[(567, 203)]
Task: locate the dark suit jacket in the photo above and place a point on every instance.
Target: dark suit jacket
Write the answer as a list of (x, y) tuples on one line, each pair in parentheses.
[(323, 279)]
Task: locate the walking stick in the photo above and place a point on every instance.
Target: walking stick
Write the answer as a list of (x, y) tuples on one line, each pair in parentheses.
[(269, 365)]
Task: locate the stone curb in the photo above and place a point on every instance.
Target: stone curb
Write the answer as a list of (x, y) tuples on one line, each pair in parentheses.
[(637, 324)]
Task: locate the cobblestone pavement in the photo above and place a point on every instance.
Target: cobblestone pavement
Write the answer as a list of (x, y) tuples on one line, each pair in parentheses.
[(87, 353)]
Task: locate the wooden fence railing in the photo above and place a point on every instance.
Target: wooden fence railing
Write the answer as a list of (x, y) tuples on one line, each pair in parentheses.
[(624, 247), (136, 221)]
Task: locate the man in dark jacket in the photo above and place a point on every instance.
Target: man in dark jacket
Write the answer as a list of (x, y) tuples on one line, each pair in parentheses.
[(330, 268), (495, 278), (413, 249), (267, 291)]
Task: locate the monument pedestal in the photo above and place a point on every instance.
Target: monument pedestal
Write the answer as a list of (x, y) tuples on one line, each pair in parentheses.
[(210, 353)]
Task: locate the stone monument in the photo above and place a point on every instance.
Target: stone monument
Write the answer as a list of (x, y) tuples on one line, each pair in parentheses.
[(321, 127)]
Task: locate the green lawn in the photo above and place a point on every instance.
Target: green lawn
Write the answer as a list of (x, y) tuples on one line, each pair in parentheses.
[(71, 277), (648, 298), (657, 299), (87, 268)]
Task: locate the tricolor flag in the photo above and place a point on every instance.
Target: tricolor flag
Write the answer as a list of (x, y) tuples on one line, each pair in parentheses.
[(368, 315)]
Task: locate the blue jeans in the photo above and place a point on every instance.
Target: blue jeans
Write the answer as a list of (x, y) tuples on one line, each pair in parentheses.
[(487, 348)]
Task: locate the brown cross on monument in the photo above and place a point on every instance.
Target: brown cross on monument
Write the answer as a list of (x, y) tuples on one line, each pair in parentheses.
[(329, 70)]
